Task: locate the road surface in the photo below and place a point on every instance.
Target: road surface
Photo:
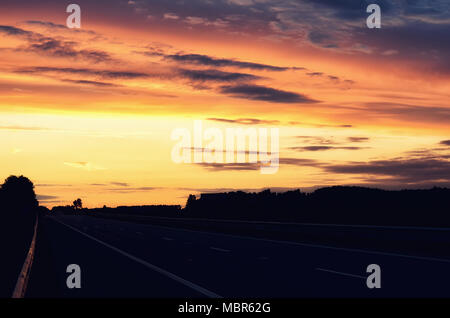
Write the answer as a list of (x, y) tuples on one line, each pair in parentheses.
[(122, 259)]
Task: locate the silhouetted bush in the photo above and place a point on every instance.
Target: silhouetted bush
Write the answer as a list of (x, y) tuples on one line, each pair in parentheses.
[(19, 204), (67, 209), (18, 214), (143, 210)]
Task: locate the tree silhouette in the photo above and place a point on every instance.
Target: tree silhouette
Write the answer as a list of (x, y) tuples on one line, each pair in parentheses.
[(78, 204), (18, 207), (190, 201), (18, 192)]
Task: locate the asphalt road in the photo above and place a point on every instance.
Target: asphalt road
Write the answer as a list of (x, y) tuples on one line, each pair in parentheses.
[(121, 259)]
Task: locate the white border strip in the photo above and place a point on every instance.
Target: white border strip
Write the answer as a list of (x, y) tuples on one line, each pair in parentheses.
[(22, 281)]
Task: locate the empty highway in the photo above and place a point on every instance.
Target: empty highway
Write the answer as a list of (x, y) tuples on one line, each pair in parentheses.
[(124, 259)]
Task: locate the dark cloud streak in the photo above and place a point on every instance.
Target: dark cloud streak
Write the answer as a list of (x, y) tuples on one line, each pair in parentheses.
[(263, 93), (40, 44), (206, 60), (408, 170), (246, 121), (322, 148), (216, 76)]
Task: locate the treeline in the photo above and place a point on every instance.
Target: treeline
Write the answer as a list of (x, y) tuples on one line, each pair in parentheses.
[(144, 210), (330, 205), (140, 210), (338, 204)]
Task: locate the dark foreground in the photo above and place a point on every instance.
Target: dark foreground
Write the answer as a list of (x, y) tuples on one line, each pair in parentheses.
[(122, 259)]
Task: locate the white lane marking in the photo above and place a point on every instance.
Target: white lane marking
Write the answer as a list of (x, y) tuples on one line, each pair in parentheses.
[(167, 238), (346, 249), (218, 249), (339, 273), (422, 258), (183, 281)]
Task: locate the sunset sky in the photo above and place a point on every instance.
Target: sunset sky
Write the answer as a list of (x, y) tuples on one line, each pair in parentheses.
[(89, 112)]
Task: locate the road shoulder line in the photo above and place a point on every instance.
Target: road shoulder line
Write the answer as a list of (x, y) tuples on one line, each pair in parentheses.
[(164, 272)]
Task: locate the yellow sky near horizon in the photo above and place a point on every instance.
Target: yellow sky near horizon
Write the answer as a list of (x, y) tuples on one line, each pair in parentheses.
[(89, 113)]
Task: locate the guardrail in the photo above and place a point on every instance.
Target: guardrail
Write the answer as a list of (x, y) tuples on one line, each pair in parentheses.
[(22, 281)]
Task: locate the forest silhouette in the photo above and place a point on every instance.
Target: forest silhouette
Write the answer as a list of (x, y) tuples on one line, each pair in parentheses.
[(329, 205)]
